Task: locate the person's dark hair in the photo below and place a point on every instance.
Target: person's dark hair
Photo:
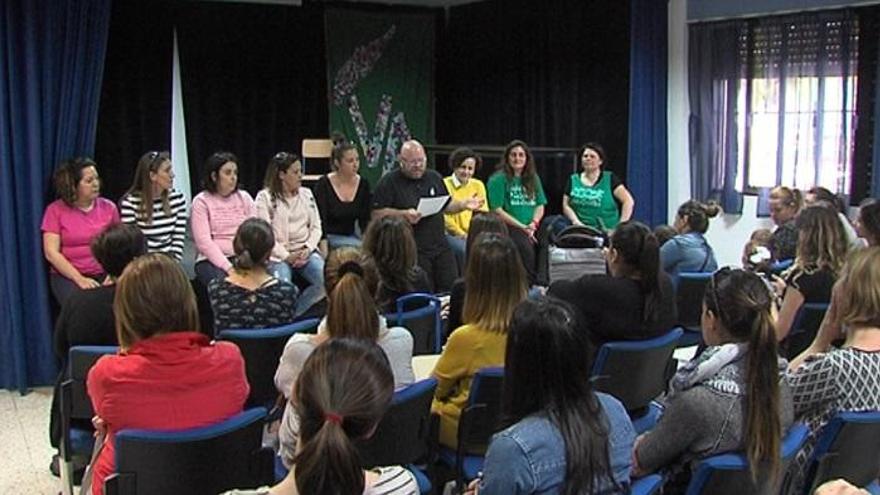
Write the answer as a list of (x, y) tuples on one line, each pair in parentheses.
[(495, 282), (529, 176), (340, 396), (595, 147), (547, 368), (340, 146), (67, 176), (253, 244), (869, 219), (142, 186), (116, 246), (351, 281), (390, 242), (280, 162), (698, 214), (460, 155), (824, 195), (742, 302), (212, 167), (484, 222), (664, 233), (640, 252)]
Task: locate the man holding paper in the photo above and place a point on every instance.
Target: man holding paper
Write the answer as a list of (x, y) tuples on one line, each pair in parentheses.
[(417, 194)]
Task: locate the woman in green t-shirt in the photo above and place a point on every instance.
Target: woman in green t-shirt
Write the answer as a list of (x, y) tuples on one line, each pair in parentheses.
[(591, 196), (517, 196)]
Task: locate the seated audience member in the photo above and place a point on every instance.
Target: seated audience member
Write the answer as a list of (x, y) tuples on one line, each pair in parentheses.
[(821, 251), (486, 222), (250, 297), (689, 251), (635, 301), (591, 196), (560, 436), (868, 223), (516, 195), (785, 204), (821, 196), (756, 253), (729, 397), (343, 197), (291, 211), (848, 378), (351, 279), (463, 185), (389, 240), (154, 207), (398, 194), (217, 212), (341, 395), (495, 284), (664, 233), (167, 375), (69, 225), (86, 317)]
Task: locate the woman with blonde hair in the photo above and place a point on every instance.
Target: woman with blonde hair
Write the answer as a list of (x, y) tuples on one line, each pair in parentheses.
[(495, 283), (167, 375), (351, 279), (848, 378)]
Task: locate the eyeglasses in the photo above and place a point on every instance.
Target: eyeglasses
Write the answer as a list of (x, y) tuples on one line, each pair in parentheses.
[(713, 290), (412, 163)]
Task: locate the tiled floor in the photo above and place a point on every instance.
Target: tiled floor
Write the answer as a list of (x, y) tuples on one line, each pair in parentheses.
[(24, 443)]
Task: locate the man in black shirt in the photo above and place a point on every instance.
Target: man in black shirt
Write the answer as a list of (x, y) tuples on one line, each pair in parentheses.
[(398, 193)]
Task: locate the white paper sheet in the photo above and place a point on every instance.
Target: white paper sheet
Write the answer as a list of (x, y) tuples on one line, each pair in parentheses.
[(432, 206)]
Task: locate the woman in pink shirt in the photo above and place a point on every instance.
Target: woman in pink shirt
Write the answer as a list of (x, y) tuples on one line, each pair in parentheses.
[(69, 225), (216, 214)]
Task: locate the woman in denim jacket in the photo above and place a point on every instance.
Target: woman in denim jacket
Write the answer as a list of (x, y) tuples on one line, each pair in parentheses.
[(561, 437), (689, 251)]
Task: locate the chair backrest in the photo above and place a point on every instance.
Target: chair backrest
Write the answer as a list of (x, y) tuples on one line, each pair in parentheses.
[(848, 448), (74, 399), (689, 298), (804, 328), (479, 418), (320, 149), (729, 473), (404, 434), (206, 460), (261, 349), (420, 314), (635, 372)]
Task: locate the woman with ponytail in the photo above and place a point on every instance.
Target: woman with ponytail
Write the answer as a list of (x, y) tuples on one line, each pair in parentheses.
[(351, 279), (250, 297), (635, 301), (340, 397), (689, 251), (560, 436), (729, 397)]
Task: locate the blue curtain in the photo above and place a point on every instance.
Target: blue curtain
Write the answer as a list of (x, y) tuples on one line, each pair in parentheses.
[(51, 64), (647, 156)]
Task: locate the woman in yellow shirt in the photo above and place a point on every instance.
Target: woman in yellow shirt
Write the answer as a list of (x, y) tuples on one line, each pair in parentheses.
[(462, 185), (495, 283)]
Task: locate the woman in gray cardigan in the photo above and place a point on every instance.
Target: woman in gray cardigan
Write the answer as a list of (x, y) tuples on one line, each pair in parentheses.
[(728, 398)]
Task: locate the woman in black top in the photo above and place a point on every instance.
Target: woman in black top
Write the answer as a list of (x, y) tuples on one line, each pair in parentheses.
[(635, 301), (343, 197)]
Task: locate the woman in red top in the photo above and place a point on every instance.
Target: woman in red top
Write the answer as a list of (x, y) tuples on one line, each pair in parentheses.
[(167, 375)]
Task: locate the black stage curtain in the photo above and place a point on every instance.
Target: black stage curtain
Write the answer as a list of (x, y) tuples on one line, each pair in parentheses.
[(135, 110), (554, 73), (254, 82)]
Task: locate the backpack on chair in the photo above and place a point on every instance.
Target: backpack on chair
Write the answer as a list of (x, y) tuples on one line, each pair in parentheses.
[(575, 251)]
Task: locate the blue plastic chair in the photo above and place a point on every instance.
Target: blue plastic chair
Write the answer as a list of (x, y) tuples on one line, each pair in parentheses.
[(648, 485), (689, 302), (729, 473), (777, 267), (420, 314), (208, 460), (76, 405), (848, 447), (636, 372), (476, 425), (261, 349)]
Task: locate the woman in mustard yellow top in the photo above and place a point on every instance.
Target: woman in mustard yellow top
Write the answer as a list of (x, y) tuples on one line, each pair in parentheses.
[(495, 283), (462, 184)]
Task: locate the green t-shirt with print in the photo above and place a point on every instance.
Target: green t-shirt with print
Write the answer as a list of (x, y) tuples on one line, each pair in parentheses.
[(511, 197)]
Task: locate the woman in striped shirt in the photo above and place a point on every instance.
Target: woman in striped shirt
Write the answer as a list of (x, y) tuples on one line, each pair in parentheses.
[(154, 207)]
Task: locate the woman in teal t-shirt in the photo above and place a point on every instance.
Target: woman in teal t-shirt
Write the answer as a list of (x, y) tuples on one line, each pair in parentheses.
[(591, 196), (517, 196)]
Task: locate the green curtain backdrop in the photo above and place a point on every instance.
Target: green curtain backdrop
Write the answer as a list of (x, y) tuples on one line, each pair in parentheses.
[(379, 79)]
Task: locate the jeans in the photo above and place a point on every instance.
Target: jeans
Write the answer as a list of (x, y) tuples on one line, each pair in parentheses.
[(206, 271), (335, 241), (458, 246), (312, 272)]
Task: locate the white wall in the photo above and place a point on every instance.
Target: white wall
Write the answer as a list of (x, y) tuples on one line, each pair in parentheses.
[(728, 233)]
